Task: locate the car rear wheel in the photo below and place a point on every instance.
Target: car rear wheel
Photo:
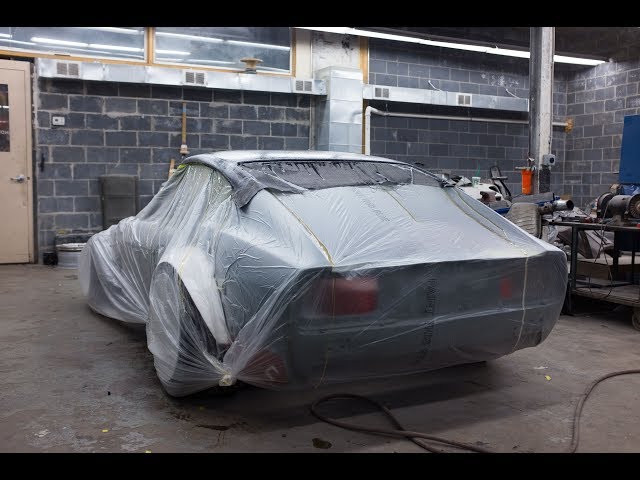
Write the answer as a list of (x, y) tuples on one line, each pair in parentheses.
[(186, 355)]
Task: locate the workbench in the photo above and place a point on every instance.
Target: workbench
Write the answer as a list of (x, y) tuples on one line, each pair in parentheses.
[(622, 293)]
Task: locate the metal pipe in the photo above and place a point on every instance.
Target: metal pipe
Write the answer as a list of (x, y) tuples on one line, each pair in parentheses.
[(371, 110), (184, 150), (184, 122), (555, 206), (559, 205)]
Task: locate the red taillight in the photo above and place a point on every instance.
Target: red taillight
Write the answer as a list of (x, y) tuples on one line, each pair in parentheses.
[(506, 288), (346, 296)]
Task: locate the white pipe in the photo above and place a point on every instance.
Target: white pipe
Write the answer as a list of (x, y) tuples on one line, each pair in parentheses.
[(369, 110)]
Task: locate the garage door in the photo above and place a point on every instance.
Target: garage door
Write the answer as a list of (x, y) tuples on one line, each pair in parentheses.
[(16, 225)]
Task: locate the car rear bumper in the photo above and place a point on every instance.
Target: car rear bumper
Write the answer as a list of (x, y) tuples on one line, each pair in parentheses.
[(337, 355), (447, 317)]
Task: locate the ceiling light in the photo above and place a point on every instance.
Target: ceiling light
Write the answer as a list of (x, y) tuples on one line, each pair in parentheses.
[(115, 47), (189, 37), (576, 60), (259, 45), (172, 52), (54, 41), (16, 41), (457, 46), (130, 31), (5, 35)]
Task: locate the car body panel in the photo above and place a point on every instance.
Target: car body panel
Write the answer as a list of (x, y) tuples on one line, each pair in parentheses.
[(316, 285)]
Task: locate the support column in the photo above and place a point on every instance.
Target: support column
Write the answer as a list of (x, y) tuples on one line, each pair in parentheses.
[(542, 46)]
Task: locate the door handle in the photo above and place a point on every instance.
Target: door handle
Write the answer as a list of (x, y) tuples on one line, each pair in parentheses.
[(19, 178)]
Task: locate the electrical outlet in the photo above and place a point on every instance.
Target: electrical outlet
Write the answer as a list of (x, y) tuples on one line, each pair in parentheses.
[(58, 121)]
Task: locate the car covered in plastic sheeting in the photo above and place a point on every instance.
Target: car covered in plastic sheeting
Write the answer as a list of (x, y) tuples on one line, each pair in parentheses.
[(296, 269)]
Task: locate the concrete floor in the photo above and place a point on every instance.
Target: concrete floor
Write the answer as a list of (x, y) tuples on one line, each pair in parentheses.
[(67, 375)]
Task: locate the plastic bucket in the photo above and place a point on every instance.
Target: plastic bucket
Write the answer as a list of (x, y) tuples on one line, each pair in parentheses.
[(527, 181)]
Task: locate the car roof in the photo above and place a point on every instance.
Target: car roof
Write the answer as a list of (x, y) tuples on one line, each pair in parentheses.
[(245, 156), (246, 182)]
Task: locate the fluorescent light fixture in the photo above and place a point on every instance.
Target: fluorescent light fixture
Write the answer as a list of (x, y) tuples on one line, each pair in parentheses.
[(115, 47), (54, 41), (458, 46), (172, 52), (576, 60), (171, 60), (259, 45), (130, 31), (17, 41), (189, 37), (5, 35)]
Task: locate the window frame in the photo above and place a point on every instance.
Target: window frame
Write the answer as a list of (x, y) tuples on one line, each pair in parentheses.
[(193, 66), (26, 53)]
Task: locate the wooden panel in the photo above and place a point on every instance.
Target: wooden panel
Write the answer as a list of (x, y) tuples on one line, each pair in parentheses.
[(16, 197)]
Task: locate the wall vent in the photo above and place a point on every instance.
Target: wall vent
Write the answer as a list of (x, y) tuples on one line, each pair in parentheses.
[(194, 78), (464, 99), (302, 86), (381, 92), (68, 69)]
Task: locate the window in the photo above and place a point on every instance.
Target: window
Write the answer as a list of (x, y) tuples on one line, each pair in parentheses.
[(107, 42), (224, 47), (320, 174)]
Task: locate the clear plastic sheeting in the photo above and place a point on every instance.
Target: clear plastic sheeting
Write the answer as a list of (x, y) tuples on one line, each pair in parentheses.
[(315, 280)]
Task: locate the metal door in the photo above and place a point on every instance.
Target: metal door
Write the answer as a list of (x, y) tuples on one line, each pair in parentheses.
[(16, 211)]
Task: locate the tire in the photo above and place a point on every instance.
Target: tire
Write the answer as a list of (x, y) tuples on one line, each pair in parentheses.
[(184, 349)]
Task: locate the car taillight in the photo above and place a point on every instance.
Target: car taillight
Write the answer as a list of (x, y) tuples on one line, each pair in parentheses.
[(506, 288), (346, 296)]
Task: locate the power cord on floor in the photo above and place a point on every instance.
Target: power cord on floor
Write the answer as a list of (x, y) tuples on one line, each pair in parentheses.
[(399, 431), (415, 437)]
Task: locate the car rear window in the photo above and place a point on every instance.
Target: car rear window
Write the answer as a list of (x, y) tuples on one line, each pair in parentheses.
[(326, 174)]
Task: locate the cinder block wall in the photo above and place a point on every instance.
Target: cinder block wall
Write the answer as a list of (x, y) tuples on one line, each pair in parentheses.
[(598, 99), (460, 147), (136, 129)]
